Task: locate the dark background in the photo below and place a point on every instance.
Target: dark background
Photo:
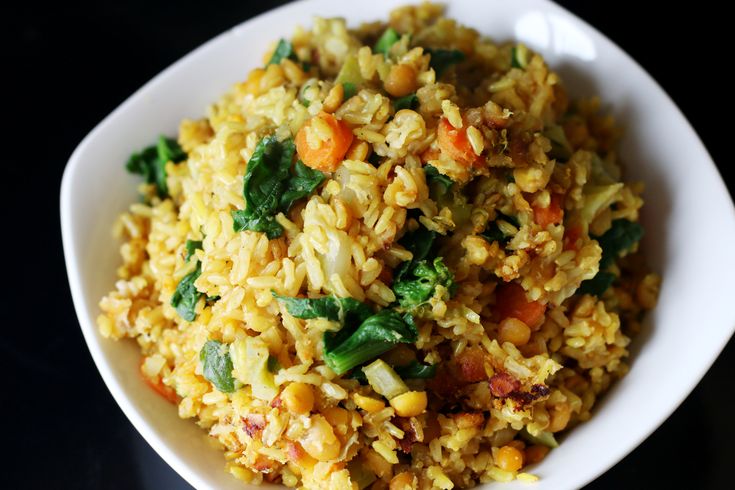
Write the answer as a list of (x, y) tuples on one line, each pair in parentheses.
[(66, 66)]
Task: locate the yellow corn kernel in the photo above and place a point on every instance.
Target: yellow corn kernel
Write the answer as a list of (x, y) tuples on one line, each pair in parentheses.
[(410, 404), (338, 418), (367, 403), (298, 398)]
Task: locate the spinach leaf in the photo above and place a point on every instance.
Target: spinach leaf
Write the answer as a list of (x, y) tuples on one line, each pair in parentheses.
[(342, 310), (435, 179), (441, 59), (386, 40), (419, 242), (302, 183), (284, 49), (410, 101), (375, 335), (621, 236), (350, 89), (598, 284), (186, 296), (418, 283), (416, 370), (493, 232), (151, 163), (273, 365), (217, 365), (269, 187), (191, 246)]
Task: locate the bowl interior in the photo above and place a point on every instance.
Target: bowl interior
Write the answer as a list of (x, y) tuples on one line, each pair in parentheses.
[(688, 216)]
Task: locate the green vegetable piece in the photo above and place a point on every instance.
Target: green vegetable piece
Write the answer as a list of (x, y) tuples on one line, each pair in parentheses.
[(598, 284), (350, 89), (384, 380), (416, 370), (273, 365), (441, 59), (561, 150), (375, 335), (410, 101), (621, 236), (270, 188), (342, 310), (284, 49), (519, 56), (544, 438), (191, 246), (493, 233), (350, 74), (217, 365), (360, 474), (387, 39), (437, 180), (417, 285), (302, 183), (151, 163), (419, 243), (186, 296)]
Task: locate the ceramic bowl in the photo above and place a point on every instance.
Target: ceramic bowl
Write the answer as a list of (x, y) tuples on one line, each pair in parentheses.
[(688, 217)]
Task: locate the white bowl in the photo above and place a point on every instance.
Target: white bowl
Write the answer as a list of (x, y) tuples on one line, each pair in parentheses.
[(688, 217)]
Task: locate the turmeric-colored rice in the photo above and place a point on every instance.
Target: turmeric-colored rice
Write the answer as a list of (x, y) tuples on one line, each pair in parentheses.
[(520, 189)]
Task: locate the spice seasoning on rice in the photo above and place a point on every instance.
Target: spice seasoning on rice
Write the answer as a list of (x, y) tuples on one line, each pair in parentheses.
[(396, 255)]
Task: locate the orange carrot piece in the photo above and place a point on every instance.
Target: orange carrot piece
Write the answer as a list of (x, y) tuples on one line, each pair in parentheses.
[(553, 214), (454, 142), (165, 391), (511, 302), (330, 152)]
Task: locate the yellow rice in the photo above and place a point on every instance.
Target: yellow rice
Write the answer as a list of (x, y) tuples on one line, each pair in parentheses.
[(343, 240)]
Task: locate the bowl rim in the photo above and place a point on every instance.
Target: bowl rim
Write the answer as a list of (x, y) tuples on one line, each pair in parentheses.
[(88, 326)]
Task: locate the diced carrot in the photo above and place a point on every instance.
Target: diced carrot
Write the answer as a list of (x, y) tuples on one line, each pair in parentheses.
[(165, 391), (571, 235), (511, 302), (331, 151), (553, 214), (454, 142)]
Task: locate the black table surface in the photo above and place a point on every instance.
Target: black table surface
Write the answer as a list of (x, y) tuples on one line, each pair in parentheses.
[(66, 66)]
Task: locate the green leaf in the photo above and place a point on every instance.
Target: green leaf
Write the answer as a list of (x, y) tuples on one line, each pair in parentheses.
[(598, 284), (410, 101), (269, 187), (284, 49), (342, 310), (302, 183), (419, 242), (416, 370), (418, 283), (169, 150), (266, 172), (191, 246), (493, 233), (151, 163), (441, 59), (242, 220), (186, 296), (217, 365), (435, 179), (350, 89), (273, 365), (387, 39), (375, 335), (621, 236), (519, 56)]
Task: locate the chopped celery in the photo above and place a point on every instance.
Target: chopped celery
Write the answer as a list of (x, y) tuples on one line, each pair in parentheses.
[(384, 380)]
